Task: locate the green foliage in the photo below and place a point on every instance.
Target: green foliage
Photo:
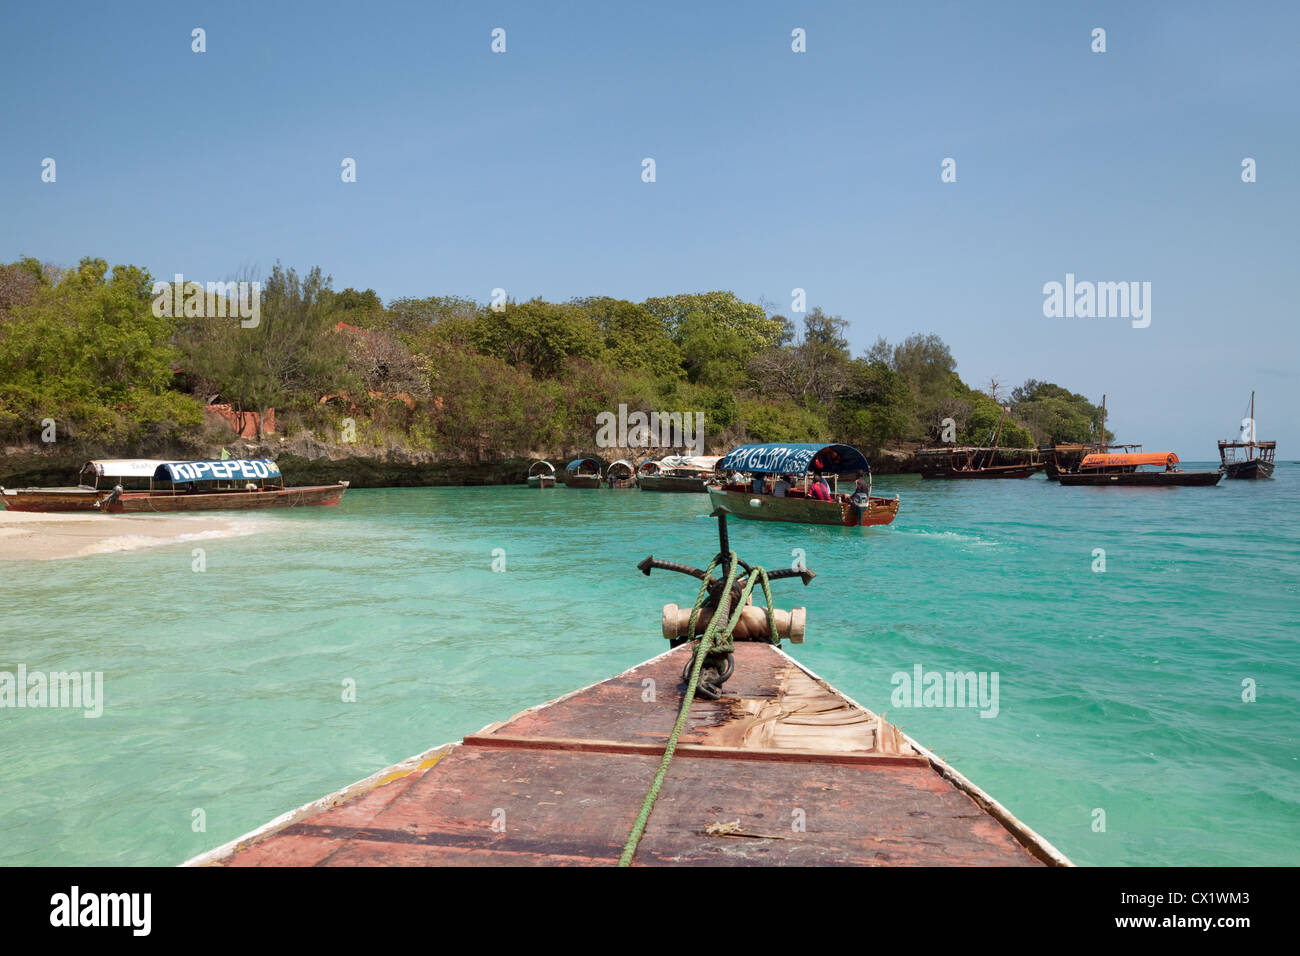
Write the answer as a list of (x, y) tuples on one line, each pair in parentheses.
[(1055, 414), (634, 339), (88, 352), (82, 346), (720, 311), (537, 334)]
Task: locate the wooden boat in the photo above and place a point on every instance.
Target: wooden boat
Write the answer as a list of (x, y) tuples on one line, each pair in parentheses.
[(979, 461), (681, 473), (799, 460), (620, 474), (1257, 458), (582, 473), (778, 768), (973, 462), (541, 474), (230, 485), (1065, 458), (1108, 470)]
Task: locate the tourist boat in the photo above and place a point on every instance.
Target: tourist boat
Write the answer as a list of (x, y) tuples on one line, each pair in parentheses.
[(762, 763), (799, 460), (168, 486), (1106, 470), (686, 473), (541, 474), (620, 474), (1257, 457), (582, 473)]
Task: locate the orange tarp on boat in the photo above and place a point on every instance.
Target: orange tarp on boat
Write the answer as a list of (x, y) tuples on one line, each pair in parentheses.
[(1115, 461)]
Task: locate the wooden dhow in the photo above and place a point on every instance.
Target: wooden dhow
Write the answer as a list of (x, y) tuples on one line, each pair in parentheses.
[(1248, 458)]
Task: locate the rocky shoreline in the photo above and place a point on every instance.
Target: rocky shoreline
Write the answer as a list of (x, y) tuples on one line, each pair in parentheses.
[(307, 461)]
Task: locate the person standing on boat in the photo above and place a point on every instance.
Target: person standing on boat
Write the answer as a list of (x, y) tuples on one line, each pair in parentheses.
[(819, 489), (862, 486)]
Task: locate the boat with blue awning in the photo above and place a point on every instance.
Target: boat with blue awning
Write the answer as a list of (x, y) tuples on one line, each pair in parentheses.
[(799, 482), (117, 486)]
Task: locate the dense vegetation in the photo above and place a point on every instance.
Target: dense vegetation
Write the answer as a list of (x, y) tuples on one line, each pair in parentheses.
[(85, 348)]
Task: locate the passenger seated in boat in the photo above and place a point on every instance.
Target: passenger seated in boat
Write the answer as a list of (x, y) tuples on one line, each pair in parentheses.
[(781, 487), (819, 489), (759, 485)]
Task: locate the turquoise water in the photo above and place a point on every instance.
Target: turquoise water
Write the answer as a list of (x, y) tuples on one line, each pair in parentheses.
[(1119, 691)]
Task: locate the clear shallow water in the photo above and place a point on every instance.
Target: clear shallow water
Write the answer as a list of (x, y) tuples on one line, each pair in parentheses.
[(1118, 690)]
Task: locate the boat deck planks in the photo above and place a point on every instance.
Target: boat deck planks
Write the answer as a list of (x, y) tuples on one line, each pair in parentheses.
[(570, 776)]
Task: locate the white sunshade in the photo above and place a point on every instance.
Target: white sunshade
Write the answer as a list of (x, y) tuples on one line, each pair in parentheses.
[(125, 467), (692, 462)]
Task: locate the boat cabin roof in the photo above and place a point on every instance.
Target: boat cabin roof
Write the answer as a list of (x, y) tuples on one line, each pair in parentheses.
[(1113, 461), (1247, 444), (691, 462), (578, 463), (794, 459), (548, 468), (123, 467)]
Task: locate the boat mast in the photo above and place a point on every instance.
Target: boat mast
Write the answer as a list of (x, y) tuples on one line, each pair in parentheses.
[(1252, 420), (1101, 440)]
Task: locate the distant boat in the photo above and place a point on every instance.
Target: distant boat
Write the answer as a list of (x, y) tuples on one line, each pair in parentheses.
[(682, 473), (978, 461), (800, 461), (1107, 470), (1257, 459), (1065, 458), (620, 474), (170, 486), (582, 473), (541, 474)]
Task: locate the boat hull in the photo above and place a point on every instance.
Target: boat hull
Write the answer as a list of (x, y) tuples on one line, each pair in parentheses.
[(1251, 469), (804, 510), (581, 481), (993, 471), (541, 481), (146, 502), (565, 780), (1149, 479), (671, 483)]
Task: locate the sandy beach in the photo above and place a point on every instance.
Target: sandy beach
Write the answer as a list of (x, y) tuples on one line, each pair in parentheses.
[(28, 536)]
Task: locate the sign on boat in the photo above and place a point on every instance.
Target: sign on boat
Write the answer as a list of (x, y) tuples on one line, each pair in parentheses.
[(781, 486), (170, 486)]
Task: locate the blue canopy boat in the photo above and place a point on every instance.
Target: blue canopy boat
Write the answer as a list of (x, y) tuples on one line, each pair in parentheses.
[(752, 486), (582, 473)]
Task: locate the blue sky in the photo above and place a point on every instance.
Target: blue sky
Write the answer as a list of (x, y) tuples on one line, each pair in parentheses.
[(775, 170)]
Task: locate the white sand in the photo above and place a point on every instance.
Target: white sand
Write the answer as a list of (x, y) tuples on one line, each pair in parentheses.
[(35, 536)]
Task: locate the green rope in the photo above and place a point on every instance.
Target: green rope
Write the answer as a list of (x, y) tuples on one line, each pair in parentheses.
[(706, 643)]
